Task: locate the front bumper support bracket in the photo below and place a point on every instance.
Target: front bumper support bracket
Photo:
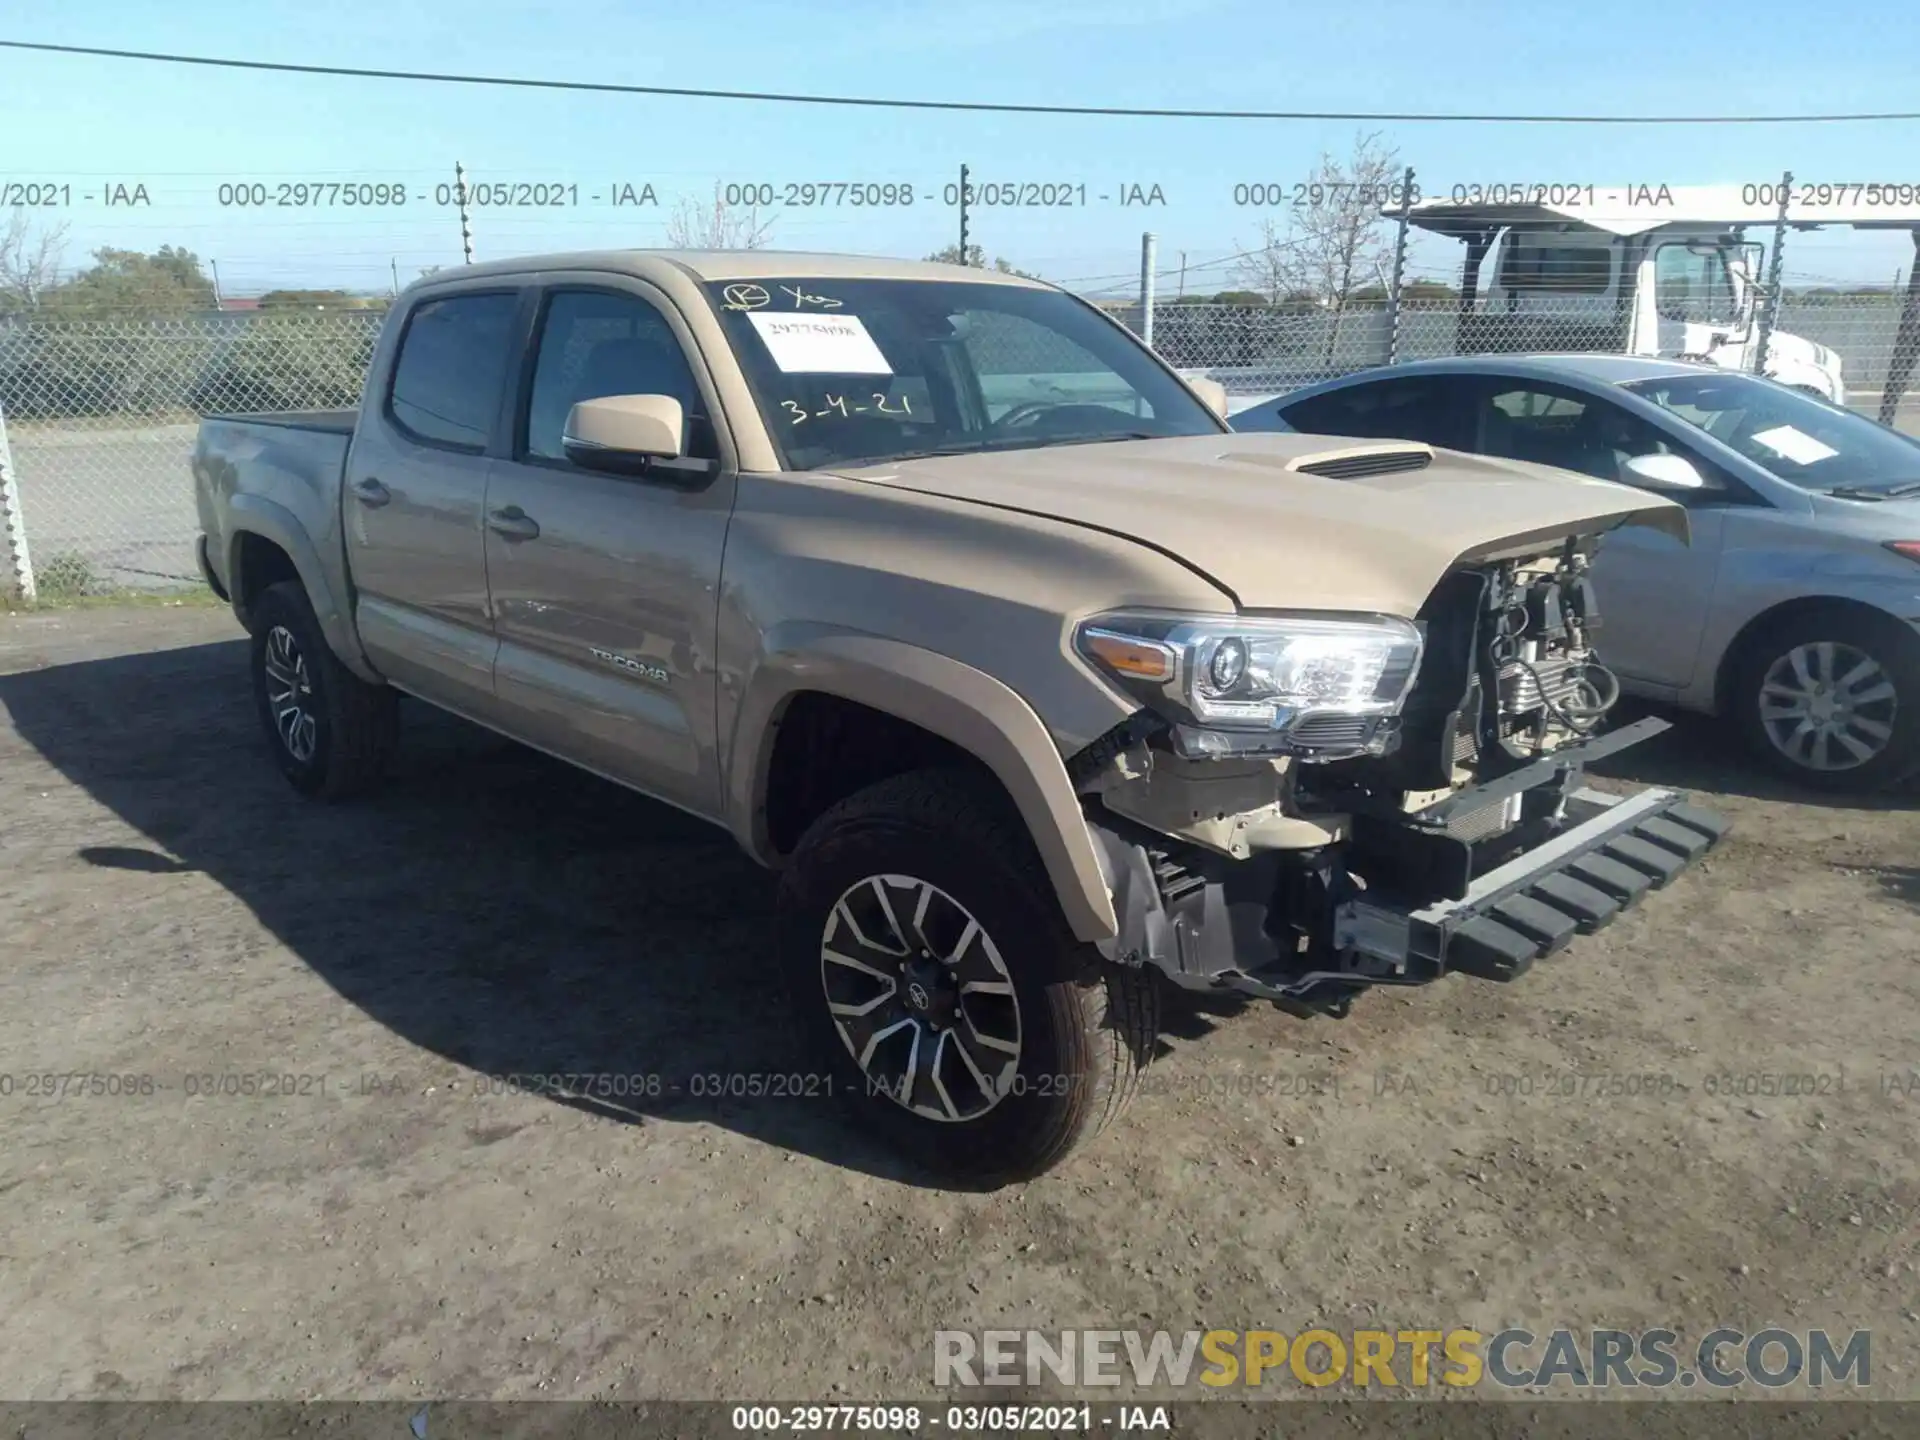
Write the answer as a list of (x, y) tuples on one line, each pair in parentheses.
[(1213, 929)]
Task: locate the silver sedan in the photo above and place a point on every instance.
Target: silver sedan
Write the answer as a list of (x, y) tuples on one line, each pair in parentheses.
[(1795, 612)]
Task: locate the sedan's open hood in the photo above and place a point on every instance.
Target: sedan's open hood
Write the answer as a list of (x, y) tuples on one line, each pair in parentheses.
[(1294, 522)]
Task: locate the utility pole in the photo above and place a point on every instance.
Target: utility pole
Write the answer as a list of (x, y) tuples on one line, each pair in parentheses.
[(1181, 293), (1148, 245), (963, 214), (393, 268), (219, 301), (466, 221)]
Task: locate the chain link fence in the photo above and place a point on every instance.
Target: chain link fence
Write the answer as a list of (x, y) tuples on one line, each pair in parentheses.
[(99, 420), (1261, 350), (99, 416)]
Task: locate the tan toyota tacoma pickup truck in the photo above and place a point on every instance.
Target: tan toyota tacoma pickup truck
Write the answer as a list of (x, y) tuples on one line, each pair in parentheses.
[(1040, 687)]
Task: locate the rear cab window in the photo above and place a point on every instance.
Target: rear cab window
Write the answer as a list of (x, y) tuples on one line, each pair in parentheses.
[(454, 358)]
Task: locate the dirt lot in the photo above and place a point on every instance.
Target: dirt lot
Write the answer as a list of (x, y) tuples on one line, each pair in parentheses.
[(390, 1229)]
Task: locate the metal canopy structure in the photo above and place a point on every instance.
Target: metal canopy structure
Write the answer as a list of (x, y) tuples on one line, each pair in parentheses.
[(1636, 209)]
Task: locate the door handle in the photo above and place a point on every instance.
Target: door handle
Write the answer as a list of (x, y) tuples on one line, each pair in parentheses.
[(371, 492), (513, 523)]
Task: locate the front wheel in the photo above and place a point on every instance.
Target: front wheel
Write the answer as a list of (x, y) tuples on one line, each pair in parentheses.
[(1831, 698), (928, 962)]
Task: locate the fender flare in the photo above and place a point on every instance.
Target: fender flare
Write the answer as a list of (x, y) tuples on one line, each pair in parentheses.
[(965, 706), (271, 521)]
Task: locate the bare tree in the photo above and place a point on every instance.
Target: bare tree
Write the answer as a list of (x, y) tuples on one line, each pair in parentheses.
[(1337, 242), (1267, 266), (719, 226), (29, 263)]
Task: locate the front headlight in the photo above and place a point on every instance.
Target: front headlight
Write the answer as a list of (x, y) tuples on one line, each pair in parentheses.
[(1240, 685)]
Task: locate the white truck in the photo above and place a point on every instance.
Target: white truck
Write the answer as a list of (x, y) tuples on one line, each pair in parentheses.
[(1655, 270)]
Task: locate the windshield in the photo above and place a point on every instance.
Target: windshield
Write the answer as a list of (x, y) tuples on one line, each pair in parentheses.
[(1804, 441), (850, 372)]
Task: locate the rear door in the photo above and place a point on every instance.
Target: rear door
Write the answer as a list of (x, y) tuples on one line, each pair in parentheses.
[(605, 588), (1428, 408), (416, 482)]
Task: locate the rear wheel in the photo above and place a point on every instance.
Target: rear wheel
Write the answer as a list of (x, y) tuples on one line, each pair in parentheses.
[(1831, 698), (957, 1014), (331, 732)]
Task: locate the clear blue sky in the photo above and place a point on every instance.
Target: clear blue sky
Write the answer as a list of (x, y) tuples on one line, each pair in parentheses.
[(182, 131)]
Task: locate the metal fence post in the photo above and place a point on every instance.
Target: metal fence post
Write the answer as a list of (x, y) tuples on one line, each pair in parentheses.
[(1148, 245), (1906, 343), (1399, 269), (19, 563), (466, 220), (963, 192), (1770, 314)]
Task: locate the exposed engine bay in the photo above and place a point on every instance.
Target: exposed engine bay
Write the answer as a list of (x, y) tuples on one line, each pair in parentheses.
[(1507, 675), (1370, 850)]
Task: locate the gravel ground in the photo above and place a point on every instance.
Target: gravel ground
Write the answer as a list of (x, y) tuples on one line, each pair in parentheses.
[(387, 1227)]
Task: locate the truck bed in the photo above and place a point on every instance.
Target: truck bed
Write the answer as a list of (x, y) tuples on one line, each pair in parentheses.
[(285, 463)]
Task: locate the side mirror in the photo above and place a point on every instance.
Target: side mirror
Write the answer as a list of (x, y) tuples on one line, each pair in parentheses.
[(1665, 472), (1212, 392), (623, 434)]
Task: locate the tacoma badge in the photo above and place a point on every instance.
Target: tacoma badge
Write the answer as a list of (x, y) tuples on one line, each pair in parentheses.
[(656, 673)]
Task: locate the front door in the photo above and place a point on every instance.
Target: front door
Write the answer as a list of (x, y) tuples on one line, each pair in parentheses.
[(416, 484), (1694, 300), (605, 588), (1654, 592)]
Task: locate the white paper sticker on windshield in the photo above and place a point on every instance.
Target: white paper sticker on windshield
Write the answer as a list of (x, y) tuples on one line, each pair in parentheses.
[(1795, 445), (812, 344)]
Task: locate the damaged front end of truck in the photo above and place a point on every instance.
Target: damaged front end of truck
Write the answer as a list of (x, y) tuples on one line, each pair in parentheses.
[(1310, 804)]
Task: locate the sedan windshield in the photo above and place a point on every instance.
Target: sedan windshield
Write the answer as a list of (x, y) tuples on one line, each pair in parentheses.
[(851, 372), (1803, 441)]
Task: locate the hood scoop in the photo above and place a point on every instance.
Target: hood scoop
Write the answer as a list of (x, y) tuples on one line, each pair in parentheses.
[(1358, 464), (1348, 462)]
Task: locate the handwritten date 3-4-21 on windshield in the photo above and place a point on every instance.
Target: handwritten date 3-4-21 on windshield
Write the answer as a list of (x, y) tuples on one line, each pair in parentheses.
[(839, 405)]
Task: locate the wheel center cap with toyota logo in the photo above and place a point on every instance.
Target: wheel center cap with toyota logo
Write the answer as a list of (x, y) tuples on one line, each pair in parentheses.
[(929, 990)]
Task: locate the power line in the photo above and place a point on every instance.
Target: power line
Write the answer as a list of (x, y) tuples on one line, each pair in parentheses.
[(1170, 272), (977, 106)]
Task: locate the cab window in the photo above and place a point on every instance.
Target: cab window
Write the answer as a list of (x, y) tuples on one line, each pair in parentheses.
[(1692, 284), (1420, 408), (1583, 433), (1558, 267), (595, 343), (452, 364)]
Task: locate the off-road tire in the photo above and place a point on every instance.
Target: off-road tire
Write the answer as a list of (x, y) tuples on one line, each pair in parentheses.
[(355, 725), (1088, 1028), (1896, 649)]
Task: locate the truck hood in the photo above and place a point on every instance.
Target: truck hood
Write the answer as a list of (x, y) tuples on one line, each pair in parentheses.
[(1296, 522)]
